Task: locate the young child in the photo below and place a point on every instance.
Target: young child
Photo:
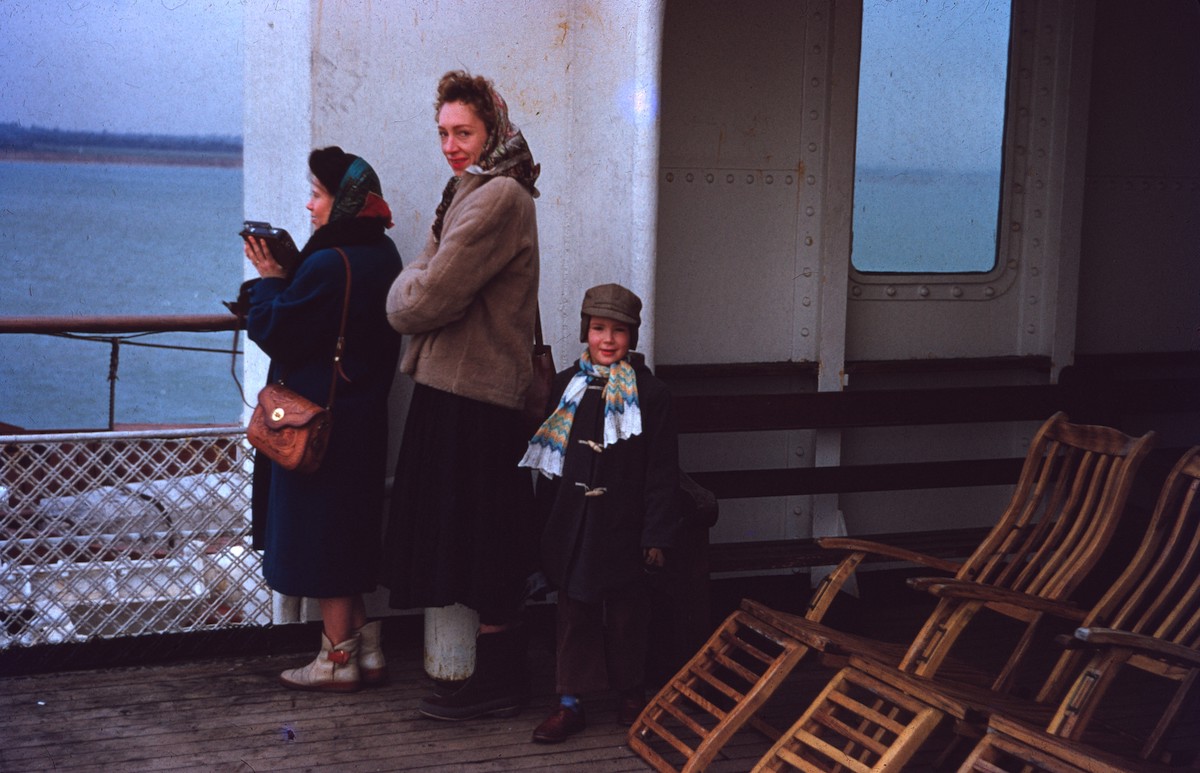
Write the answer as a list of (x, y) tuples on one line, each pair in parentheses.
[(609, 460)]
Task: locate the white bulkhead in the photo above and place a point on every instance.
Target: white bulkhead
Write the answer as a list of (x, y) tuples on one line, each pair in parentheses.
[(702, 153)]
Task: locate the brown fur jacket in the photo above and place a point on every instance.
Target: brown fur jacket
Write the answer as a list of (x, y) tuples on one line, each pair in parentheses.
[(469, 301)]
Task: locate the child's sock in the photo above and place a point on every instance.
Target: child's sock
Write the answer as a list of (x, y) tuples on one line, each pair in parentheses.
[(571, 702)]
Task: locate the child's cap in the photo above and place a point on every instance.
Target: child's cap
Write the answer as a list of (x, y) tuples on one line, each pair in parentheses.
[(615, 302)]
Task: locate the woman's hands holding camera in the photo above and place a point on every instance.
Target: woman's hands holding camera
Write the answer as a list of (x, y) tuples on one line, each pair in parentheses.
[(260, 256)]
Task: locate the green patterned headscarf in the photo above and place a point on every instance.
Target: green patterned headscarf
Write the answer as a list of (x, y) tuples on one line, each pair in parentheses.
[(359, 194), (358, 214)]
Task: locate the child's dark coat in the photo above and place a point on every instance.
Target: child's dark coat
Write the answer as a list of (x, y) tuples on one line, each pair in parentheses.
[(592, 546)]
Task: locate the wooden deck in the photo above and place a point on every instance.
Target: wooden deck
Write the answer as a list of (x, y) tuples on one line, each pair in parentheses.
[(228, 714)]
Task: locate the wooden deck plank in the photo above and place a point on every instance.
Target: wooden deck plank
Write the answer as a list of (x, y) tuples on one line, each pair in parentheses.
[(229, 714)]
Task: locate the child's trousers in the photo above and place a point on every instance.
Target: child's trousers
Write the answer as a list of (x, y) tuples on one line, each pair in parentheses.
[(601, 646)]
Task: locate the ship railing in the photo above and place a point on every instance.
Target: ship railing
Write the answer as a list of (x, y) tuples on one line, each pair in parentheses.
[(117, 534), (107, 534), (117, 331)]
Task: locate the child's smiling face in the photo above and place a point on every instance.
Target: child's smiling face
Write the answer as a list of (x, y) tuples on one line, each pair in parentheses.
[(607, 340)]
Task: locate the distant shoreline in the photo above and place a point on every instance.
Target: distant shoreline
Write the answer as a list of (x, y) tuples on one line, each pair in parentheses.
[(116, 157)]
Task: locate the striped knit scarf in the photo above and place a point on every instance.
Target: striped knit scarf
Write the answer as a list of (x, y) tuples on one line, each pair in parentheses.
[(622, 416)]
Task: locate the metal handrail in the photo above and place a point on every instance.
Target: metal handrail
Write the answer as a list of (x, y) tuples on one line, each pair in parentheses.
[(149, 434), (109, 328), (179, 323)]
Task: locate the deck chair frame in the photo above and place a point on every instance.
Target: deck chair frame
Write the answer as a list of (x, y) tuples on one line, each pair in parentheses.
[(1064, 509), (1148, 621)]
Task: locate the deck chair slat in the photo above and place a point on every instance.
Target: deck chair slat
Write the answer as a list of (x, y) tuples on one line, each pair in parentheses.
[(830, 751), (859, 709), (799, 762), (712, 680), (741, 645), (670, 738), (726, 661), (854, 736), (701, 702), (686, 719)]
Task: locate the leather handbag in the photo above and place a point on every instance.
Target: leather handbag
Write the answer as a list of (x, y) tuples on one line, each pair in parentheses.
[(288, 427), (537, 398)]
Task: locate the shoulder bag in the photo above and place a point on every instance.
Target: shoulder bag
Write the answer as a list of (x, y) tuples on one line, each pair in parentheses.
[(538, 396), (291, 429)]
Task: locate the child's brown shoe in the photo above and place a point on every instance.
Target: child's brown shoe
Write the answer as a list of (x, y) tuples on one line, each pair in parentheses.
[(561, 724)]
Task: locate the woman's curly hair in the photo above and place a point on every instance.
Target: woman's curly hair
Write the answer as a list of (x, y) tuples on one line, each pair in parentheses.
[(472, 90)]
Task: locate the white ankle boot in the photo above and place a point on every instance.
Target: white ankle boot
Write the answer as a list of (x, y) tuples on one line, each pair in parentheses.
[(335, 669), (371, 667)]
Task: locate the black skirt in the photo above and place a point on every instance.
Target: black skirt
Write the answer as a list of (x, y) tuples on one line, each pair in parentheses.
[(461, 527)]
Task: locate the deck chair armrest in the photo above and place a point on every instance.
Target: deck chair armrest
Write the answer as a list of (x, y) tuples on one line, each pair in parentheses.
[(807, 631), (1055, 748), (989, 594), (1145, 645), (852, 545)]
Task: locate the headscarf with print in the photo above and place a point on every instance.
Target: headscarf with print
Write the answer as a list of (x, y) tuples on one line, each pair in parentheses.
[(359, 214), (505, 154)]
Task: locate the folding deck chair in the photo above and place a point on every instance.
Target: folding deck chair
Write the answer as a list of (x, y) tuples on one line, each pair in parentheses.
[(1140, 642), (1013, 748), (856, 724), (1063, 511)]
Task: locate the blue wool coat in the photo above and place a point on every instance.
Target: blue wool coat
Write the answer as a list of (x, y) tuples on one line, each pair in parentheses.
[(321, 531)]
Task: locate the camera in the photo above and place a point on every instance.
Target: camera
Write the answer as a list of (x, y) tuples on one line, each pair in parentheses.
[(278, 241)]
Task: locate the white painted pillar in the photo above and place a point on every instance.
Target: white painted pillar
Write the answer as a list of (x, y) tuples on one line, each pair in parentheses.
[(277, 137), (450, 642)]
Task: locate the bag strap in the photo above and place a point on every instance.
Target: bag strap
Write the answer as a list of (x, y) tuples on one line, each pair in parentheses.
[(537, 328), (237, 331), (340, 346)]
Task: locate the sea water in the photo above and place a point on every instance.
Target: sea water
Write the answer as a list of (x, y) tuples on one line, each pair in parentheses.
[(118, 239), (911, 222)]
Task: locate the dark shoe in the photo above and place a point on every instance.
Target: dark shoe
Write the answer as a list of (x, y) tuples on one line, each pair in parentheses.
[(443, 687), (629, 709), (463, 705), (497, 688), (558, 726)]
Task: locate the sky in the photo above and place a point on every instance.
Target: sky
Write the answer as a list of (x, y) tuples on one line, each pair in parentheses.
[(175, 67), (122, 66), (932, 83)]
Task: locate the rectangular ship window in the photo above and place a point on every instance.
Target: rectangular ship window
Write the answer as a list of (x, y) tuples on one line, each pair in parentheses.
[(931, 102)]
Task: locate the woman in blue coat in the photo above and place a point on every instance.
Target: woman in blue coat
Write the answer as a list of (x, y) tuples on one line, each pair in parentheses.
[(321, 531)]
